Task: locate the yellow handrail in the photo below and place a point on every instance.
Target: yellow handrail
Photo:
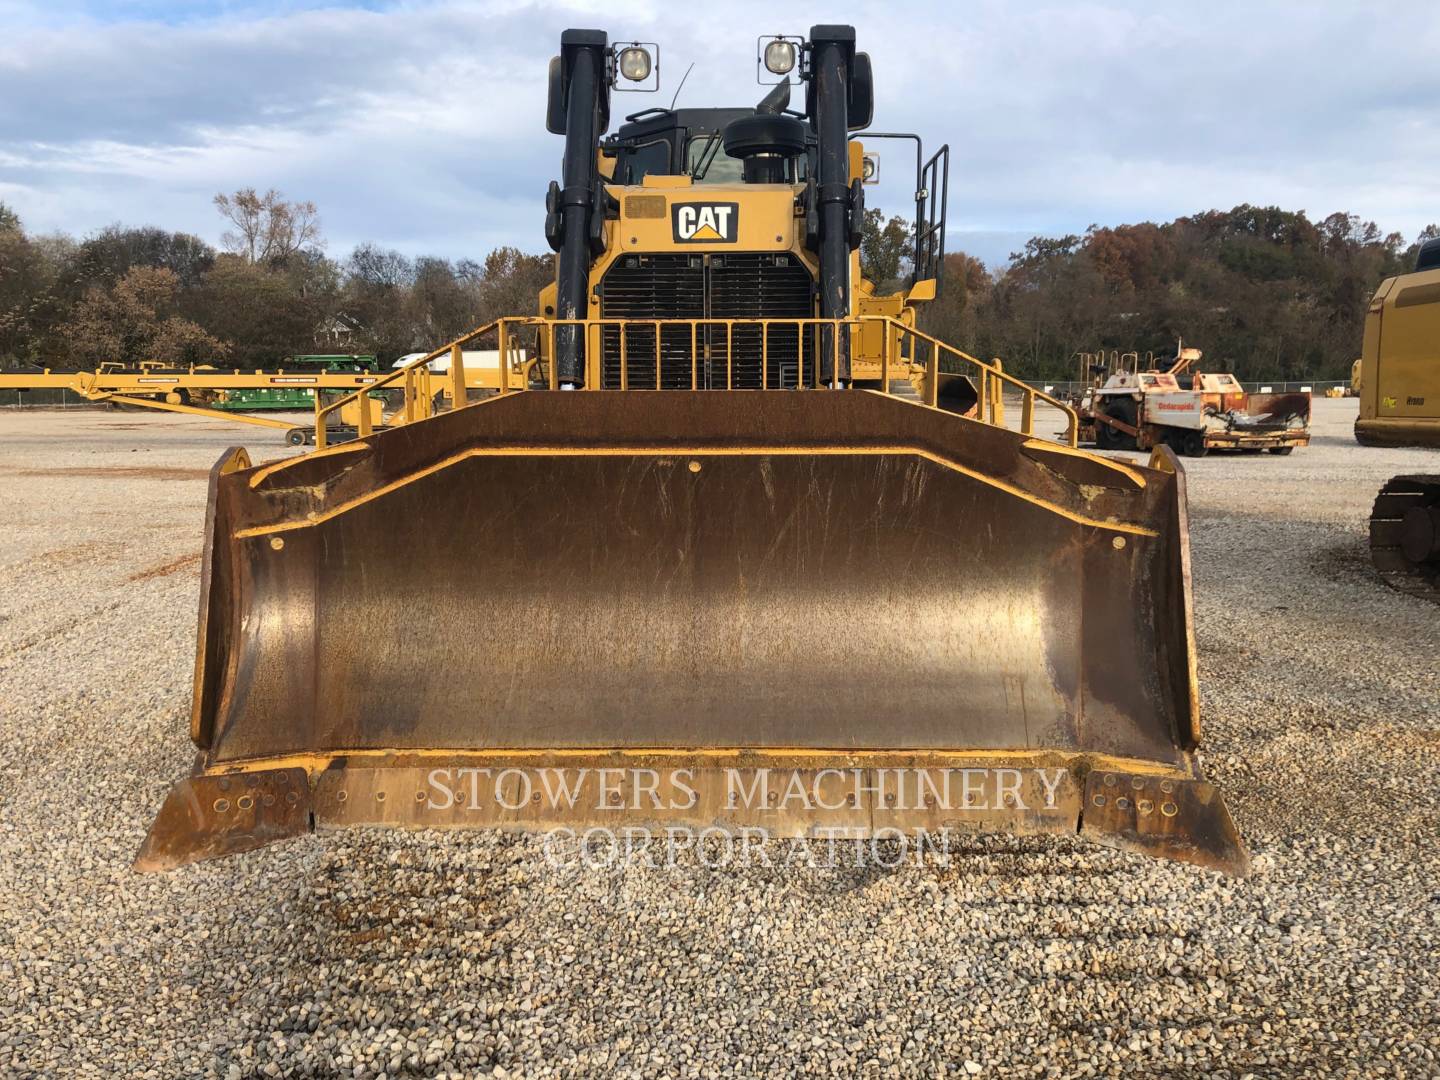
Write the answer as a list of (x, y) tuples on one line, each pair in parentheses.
[(990, 376), (987, 371), (322, 412)]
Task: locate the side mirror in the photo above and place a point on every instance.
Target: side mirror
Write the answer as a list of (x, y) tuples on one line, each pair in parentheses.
[(860, 109), (555, 106)]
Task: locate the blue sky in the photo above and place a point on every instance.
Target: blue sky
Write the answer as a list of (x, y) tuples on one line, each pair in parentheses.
[(419, 125)]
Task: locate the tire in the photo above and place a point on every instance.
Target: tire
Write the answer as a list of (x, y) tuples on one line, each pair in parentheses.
[(1282, 450), (1192, 444), (1108, 438), (1104, 434), (297, 436)]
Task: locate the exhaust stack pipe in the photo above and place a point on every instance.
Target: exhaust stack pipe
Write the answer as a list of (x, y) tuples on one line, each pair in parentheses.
[(580, 110), (832, 58)]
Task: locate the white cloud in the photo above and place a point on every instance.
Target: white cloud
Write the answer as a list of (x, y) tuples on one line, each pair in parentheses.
[(420, 126)]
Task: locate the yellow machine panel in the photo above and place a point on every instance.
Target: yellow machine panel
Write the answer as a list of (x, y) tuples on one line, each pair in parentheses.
[(742, 217), (1400, 363), (1399, 385)]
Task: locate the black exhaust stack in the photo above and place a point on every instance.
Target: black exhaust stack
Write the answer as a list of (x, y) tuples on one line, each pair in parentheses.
[(579, 109), (836, 101)]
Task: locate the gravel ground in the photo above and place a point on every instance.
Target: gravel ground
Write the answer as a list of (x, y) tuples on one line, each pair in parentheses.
[(465, 954)]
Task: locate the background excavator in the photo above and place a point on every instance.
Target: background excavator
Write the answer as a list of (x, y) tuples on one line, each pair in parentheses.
[(743, 548), (1399, 386)]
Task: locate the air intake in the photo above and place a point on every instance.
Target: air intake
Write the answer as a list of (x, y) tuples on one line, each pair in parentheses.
[(742, 285)]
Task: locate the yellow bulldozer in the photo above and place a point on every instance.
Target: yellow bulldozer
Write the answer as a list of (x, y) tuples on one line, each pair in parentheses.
[(744, 550), (1398, 380)]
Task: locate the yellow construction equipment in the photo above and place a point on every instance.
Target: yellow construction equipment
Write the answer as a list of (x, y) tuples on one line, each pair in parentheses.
[(1398, 380), (743, 550), (201, 390), (191, 390)]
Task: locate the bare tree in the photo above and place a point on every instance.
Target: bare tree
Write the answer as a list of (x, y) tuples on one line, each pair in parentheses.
[(268, 228)]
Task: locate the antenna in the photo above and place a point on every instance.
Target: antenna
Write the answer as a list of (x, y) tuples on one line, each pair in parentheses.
[(681, 86)]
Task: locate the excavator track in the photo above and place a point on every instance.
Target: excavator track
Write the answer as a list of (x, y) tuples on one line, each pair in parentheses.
[(1405, 535)]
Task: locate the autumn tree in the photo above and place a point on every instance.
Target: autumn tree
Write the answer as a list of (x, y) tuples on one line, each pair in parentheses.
[(509, 282), (104, 258), (136, 320), (958, 310), (22, 286), (377, 296), (266, 315), (885, 249), (444, 299), (269, 228)]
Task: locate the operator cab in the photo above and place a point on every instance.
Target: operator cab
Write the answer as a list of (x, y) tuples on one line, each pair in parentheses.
[(767, 144)]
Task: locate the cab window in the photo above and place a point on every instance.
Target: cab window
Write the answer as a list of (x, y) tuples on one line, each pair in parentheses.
[(721, 168), (634, 163)]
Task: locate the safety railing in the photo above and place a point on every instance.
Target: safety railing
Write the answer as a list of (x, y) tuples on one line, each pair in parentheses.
[(992, 379), (417, 382), (699, 354)]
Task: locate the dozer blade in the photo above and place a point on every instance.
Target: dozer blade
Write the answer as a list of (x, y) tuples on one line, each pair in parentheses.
[(787, 611)]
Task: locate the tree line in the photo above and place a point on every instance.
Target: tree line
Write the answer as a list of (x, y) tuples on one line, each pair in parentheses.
[(127, 295), (1266, 293)]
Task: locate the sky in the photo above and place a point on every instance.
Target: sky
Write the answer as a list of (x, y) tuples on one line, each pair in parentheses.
[(420, 125)]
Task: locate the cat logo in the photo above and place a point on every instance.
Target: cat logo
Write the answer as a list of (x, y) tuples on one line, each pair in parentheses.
[(705, 223)]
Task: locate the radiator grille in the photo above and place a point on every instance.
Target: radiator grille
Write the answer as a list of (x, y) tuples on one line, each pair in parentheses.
[(684, 286)]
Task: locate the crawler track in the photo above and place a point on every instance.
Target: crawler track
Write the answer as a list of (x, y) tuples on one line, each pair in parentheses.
[(1403, 534)]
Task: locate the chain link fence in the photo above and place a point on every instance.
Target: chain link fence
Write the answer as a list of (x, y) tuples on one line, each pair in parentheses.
[(1064, 387), (63, 399), (42, 399)]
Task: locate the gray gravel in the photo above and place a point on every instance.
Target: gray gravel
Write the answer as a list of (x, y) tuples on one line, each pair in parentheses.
[(386, 953)]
